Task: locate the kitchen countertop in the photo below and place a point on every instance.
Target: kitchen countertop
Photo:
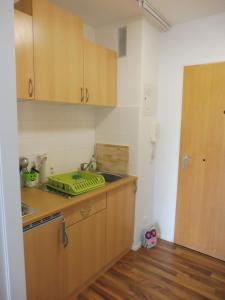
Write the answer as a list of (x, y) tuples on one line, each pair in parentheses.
[(47, 203)]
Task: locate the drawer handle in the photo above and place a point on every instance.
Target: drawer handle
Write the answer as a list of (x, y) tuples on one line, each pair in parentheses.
[(85, 212)]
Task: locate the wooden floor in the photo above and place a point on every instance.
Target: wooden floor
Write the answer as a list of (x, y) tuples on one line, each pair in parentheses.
[(165, 272)]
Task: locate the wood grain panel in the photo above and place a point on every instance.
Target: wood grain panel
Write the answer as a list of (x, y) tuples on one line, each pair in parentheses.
[(24, 54), (200, 221), (190, 231), (58, 53), (214, 192), (85, 209), (100, 75), (112, 158), (43, 261), (24, 6), (167, 271), (120, 220), (85, 254)]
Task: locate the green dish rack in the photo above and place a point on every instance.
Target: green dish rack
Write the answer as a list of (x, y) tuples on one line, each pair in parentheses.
[(76, 183)]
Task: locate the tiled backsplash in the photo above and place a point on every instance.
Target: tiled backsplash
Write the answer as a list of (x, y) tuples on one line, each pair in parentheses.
[(66, 133), (119, 127)]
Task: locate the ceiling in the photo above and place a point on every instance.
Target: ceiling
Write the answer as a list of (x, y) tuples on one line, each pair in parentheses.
[(98, 13)]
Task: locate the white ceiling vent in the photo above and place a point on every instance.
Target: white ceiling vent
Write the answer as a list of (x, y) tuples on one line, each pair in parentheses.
[(122, 43)]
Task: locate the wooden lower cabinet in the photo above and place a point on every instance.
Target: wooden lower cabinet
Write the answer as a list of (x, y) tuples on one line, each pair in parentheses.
[(58, 270), (43, 250), (120, 220), (85, 254)]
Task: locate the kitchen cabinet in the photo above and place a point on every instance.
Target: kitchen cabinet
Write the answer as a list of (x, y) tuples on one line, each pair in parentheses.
[(85, 253), (44, 260), (24, 55), (98, 230), (100, 75), (120, 220), (54, 62), (58, 53)]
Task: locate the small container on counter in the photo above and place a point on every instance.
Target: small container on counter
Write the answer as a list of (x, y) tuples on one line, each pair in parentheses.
[(30, 179)]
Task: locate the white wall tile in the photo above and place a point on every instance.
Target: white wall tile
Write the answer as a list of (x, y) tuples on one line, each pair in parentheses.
[(65, 132)]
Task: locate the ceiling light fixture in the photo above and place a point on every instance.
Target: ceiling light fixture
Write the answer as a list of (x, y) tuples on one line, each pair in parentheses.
[(155, 14)]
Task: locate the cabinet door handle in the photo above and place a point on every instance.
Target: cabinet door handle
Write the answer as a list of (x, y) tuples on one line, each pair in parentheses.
[(30, 88), (65, 240), (81, 95), (185, 161), (87, 95), (85, 212)]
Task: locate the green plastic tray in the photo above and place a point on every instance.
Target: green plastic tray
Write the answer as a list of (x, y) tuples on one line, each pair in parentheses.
[(76, 183)]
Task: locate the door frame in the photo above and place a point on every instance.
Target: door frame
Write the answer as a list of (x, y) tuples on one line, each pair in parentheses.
[(12, 271)]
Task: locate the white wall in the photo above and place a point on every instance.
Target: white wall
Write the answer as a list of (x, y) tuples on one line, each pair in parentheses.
[(66, 133), (89, 32), (197, 42), (12, 275), (127, 123), (146, 164), (113, 126)]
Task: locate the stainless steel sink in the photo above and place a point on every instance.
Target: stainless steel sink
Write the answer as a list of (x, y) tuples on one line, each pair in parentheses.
[(109, 177), (27, 210)]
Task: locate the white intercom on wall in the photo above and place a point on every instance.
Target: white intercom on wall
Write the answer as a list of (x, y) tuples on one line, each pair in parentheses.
[(149, 100), (154, 138)]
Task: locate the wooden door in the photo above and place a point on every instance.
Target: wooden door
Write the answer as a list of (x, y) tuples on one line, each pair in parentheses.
[(43, 262), (58, 53), (100, 75), (120, 220), (200, 217), (85, 254), (24, 55)]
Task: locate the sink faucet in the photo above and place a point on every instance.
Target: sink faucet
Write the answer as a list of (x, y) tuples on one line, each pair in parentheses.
[(89, 166), (85, 166)]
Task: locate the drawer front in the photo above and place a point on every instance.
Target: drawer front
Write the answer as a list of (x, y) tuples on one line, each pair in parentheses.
[(85, 209)]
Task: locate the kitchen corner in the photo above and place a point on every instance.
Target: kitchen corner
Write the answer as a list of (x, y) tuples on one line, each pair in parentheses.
[(83, 219), (46, 203)]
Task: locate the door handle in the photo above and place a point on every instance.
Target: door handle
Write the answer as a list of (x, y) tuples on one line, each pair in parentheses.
[(87, 95), (65, 240), (81, 95), (185, 161), (30, 87)]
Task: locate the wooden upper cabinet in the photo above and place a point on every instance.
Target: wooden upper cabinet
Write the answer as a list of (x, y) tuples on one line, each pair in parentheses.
[(55, 63), (24, 55), (100, 75), (58, 53)]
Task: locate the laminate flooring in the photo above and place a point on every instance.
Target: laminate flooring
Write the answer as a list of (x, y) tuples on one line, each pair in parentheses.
[(167, 271)]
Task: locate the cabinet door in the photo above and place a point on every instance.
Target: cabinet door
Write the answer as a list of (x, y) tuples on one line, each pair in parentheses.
[(85, 253), (120, 220), (24, 55), (43, 262), (100, 75), (58, 53)]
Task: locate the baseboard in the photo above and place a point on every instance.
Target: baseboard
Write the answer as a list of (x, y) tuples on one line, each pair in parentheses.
[(136, 246)]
